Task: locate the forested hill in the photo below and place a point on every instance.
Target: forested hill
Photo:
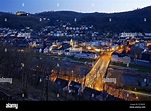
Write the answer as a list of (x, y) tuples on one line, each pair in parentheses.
[(132, 21)]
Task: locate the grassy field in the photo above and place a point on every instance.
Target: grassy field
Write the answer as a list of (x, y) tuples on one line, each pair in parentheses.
[(139, 68)]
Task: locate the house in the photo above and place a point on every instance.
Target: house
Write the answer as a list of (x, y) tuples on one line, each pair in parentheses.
[(120, 58), (59, 49), (21, 13), (56, 51), (86, 55)]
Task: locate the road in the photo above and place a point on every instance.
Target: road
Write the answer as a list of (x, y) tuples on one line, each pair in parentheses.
[(94, 79), (138, 93)]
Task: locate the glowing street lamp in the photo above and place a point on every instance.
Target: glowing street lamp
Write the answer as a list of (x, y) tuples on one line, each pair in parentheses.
[(72, 72), (22, 65), (127, 96)]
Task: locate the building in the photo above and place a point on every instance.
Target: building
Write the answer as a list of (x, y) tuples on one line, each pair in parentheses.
[(120, 58), (86, 55), (21, 13)]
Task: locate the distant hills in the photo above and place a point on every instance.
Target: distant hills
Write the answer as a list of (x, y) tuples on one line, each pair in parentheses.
[(132, 21)]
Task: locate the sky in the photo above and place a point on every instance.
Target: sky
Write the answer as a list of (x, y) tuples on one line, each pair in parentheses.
[(84, 6)]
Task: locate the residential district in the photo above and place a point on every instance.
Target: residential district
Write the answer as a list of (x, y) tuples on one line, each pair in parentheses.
[(59, 63)]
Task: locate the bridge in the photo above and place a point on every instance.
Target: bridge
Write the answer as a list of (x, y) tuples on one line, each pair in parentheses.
[(94, 79)]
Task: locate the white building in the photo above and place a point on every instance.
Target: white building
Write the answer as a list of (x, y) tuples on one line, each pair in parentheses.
[(86, 55), (124, 60)]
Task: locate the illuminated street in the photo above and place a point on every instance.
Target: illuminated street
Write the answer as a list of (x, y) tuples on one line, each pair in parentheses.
[(94, 78)]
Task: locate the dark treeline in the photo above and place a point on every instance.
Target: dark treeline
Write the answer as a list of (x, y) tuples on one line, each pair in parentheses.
[(132, 21)]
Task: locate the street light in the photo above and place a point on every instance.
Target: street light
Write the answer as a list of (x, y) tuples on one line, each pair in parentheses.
[(72, 73), (127, 96), (47, 85), (136, 97), (40, 80), (22, 66)]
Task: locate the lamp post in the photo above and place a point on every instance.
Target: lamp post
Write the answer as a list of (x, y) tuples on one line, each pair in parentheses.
[(72, 74), (47, 85), (137, 98), (127, 96), (40, 80), (22, 66)]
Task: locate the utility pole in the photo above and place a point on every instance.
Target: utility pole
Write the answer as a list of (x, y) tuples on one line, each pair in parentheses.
[(47, 85)]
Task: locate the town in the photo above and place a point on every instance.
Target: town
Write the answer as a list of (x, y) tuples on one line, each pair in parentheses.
[(55, 52), (71, 54)]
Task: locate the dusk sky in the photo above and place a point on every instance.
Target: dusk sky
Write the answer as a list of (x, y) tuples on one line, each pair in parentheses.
[(86, 6)]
